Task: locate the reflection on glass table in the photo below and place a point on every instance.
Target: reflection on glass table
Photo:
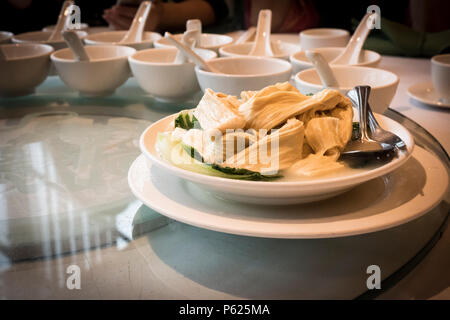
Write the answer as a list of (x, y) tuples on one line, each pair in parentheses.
[(63, 191)]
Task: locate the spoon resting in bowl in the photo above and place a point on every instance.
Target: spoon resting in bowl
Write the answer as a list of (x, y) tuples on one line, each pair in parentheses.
[(262, 46), (63, 17), (136, 30), (366, 147), (191, 54), (352, 51), (323, 69), (75, 45)]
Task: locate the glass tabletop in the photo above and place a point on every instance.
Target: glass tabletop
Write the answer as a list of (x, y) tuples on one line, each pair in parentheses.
[(63, 168)]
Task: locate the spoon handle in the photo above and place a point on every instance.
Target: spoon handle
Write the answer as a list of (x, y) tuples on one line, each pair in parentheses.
[(189, 41), (75, 44), (262, 46), (323, 69), (62, 21), (190, 53), (196, 26), (352, 51), (136, 30), (362, 95), (246, 35)]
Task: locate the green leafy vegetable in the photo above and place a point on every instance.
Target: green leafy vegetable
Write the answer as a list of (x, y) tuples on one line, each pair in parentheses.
[(355, 131), (186, 120), (186, 157)]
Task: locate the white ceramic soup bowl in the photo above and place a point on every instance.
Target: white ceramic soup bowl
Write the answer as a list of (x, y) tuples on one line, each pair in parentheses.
[(383, 83), (83, 27), (26, 66), (243, 73), (107, 70), (300, 61), (157, 74), (42, 37), (281, 50), (114, 37), (5, 37), (323, 37), (209, 41)]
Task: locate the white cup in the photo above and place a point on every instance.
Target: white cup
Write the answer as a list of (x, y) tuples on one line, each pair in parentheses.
[(323, 37), (440, 75)]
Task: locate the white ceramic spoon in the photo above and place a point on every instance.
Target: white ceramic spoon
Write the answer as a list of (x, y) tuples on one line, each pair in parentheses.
[(189, 41), (190, 54), (262, 46), (323, 69), (62, 21), (246, 35), (136, 30), (352, 51), (76, 45), (196, 26)]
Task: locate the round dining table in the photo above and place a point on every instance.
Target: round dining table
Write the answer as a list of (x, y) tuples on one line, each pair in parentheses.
[(65, 204)]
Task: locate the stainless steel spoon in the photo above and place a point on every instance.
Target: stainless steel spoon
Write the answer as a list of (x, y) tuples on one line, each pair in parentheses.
[(375, 131), (366, 147)]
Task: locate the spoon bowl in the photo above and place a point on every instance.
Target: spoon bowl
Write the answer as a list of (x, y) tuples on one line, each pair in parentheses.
[(209, 41), (280, 49), (300, 62), (114, 38)]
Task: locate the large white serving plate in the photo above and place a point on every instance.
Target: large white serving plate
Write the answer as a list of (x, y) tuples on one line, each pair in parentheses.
[(385, 202), (282, 192)]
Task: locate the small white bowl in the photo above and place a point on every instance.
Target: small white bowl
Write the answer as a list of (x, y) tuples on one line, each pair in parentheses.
[(42, 38), (107, 70), (300, 61), (323, 37), (26, 67), (281, 50), (83, 27), (383, 83), (5, 37), (209, 41), (156, 73), (243, 73), (114, 37)]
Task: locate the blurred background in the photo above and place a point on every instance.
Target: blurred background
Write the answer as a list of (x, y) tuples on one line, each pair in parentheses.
[(410, 22)]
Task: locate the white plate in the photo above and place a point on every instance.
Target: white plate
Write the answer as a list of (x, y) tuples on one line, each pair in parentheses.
[(401, 196), (424, 92), (274, 192)]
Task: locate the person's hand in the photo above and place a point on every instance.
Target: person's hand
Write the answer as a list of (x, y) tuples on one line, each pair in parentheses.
[(120, 17)]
